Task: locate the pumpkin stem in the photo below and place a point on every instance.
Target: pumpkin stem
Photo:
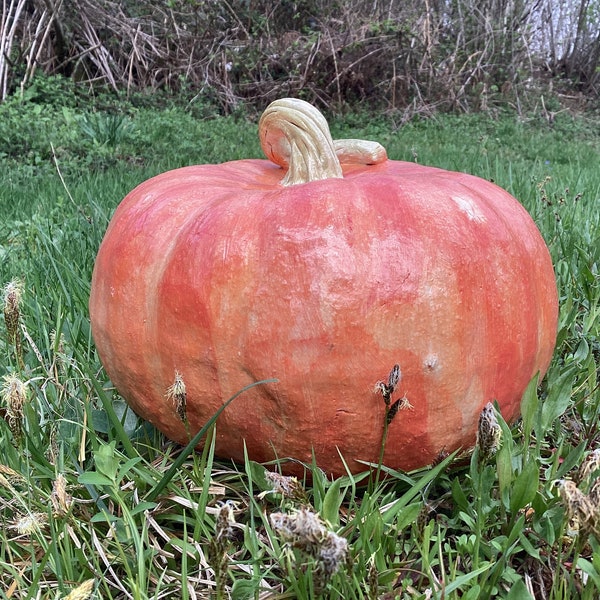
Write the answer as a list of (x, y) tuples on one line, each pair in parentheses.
[(295, 135), (359, 152)]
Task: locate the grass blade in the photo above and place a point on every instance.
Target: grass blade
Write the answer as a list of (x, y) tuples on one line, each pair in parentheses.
[(189, 448)]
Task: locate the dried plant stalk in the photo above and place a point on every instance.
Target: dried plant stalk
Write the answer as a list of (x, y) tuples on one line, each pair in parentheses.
[(406, 55), (13, 292)]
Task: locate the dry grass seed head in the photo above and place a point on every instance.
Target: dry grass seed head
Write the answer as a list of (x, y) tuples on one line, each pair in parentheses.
[(61, 501), (588, 467), (224, 524), (31, 523), (387, 389), (333, 553), (11, 475), (288, 487), (489, 432), (305, 531), (373, 578), (302, 529), (594, 495), (82, 592), (13, 294), (177, 393), (53, 450), (61, 360), (14, 395), (581, 512), (219, 545), (58, 342)]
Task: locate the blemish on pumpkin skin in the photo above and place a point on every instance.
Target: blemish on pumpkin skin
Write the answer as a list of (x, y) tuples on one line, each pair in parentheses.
[(431, 363), (345, 412)]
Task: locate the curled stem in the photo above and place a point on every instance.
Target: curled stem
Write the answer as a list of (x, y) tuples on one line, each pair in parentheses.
[(295, 135)]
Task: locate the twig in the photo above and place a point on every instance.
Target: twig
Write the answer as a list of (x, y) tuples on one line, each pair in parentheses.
[(77, 207)]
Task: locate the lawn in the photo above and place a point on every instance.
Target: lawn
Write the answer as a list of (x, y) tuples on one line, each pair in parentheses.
[(97, 504)]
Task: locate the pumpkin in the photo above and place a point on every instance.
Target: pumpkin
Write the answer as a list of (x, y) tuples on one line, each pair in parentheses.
[(383, 296)]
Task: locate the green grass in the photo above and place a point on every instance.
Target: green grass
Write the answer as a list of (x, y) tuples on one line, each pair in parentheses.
[(89, 492)]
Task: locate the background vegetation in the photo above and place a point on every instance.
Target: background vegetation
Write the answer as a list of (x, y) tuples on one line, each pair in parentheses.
[(411, 56), (98, 97)]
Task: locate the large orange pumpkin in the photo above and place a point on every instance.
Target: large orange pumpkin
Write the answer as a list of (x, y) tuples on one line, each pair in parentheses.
[(323, 276)]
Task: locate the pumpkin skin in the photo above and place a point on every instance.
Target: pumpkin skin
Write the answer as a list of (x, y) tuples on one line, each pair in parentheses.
[(223, 275)]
